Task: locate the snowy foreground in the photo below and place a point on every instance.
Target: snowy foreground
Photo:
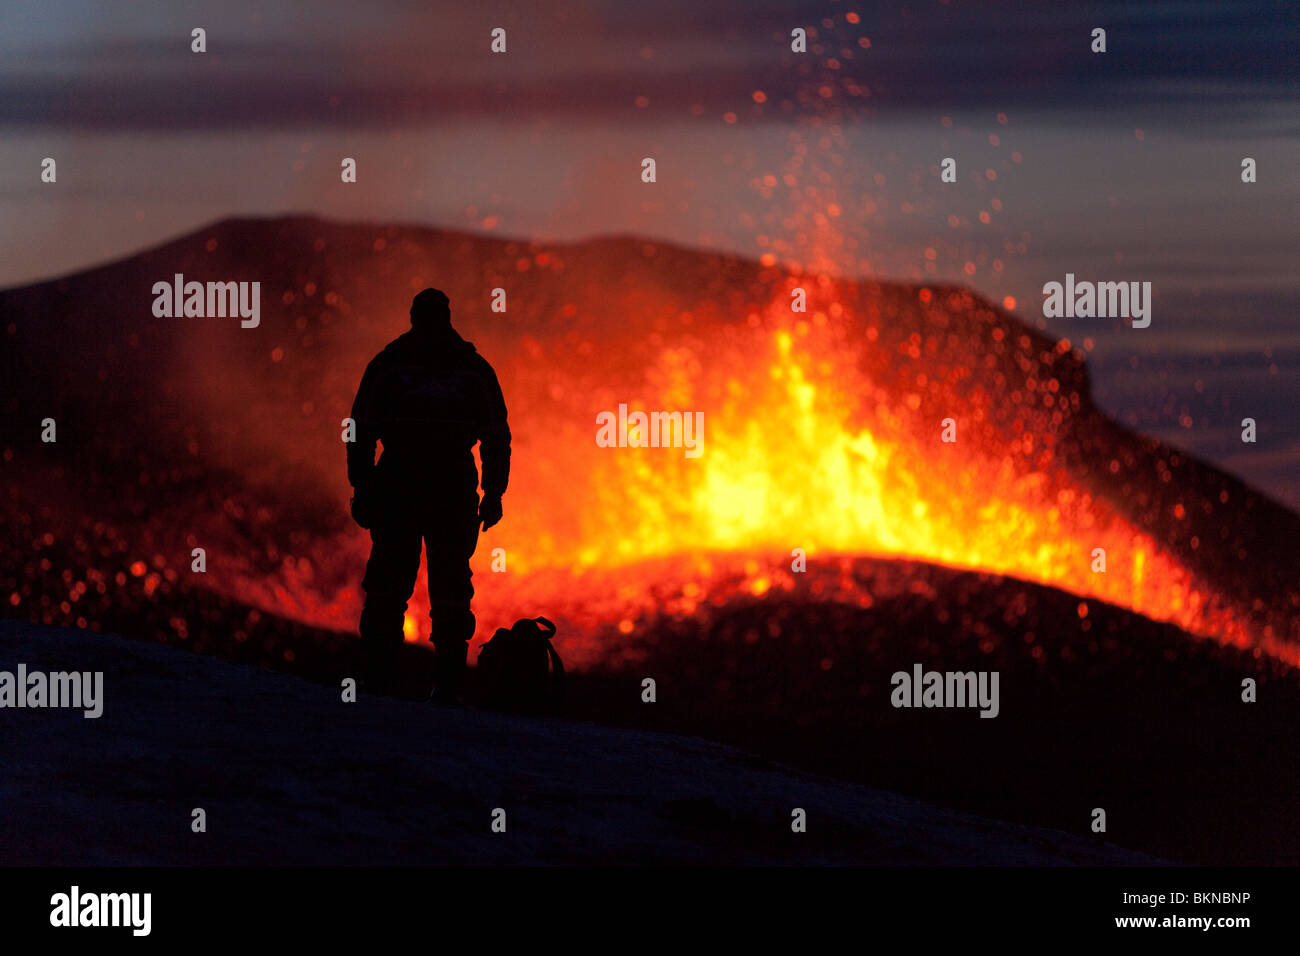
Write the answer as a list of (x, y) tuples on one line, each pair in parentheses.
[(285, 772)]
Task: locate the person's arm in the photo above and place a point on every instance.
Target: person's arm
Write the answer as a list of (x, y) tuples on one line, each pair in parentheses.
[(361, 453), (494, 451)]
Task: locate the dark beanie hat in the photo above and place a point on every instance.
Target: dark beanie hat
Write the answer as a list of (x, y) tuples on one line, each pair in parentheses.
[(430, 307)]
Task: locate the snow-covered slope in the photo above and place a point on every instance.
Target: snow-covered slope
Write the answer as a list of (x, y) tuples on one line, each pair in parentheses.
[(288, 773)]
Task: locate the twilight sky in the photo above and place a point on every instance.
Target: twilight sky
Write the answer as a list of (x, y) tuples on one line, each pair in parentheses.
[(1124, 165)]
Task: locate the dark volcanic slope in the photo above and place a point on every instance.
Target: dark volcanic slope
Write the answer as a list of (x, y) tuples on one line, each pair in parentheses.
[(176, 431), (1107, 709), (287, 773)]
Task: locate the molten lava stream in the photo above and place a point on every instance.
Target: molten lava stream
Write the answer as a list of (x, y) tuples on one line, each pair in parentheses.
[(783, 468)]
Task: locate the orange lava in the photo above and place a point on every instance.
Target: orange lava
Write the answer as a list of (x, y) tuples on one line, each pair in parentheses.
[(801, 450)]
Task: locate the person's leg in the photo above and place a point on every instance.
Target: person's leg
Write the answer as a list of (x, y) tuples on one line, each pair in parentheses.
[(449, 544), (390, 579)]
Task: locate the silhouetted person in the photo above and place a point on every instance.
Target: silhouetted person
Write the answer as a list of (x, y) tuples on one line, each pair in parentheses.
[(427, 397)]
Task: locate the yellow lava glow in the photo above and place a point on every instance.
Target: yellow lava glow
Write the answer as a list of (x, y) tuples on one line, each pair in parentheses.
[(791, 461)]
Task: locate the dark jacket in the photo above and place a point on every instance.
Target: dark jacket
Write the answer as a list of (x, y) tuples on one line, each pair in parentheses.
[(429, 396)]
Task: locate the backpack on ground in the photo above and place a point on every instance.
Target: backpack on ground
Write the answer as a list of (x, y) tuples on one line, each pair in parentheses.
[(518, 669)]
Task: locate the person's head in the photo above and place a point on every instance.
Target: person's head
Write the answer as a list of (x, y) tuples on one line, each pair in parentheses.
[(430, 309)]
